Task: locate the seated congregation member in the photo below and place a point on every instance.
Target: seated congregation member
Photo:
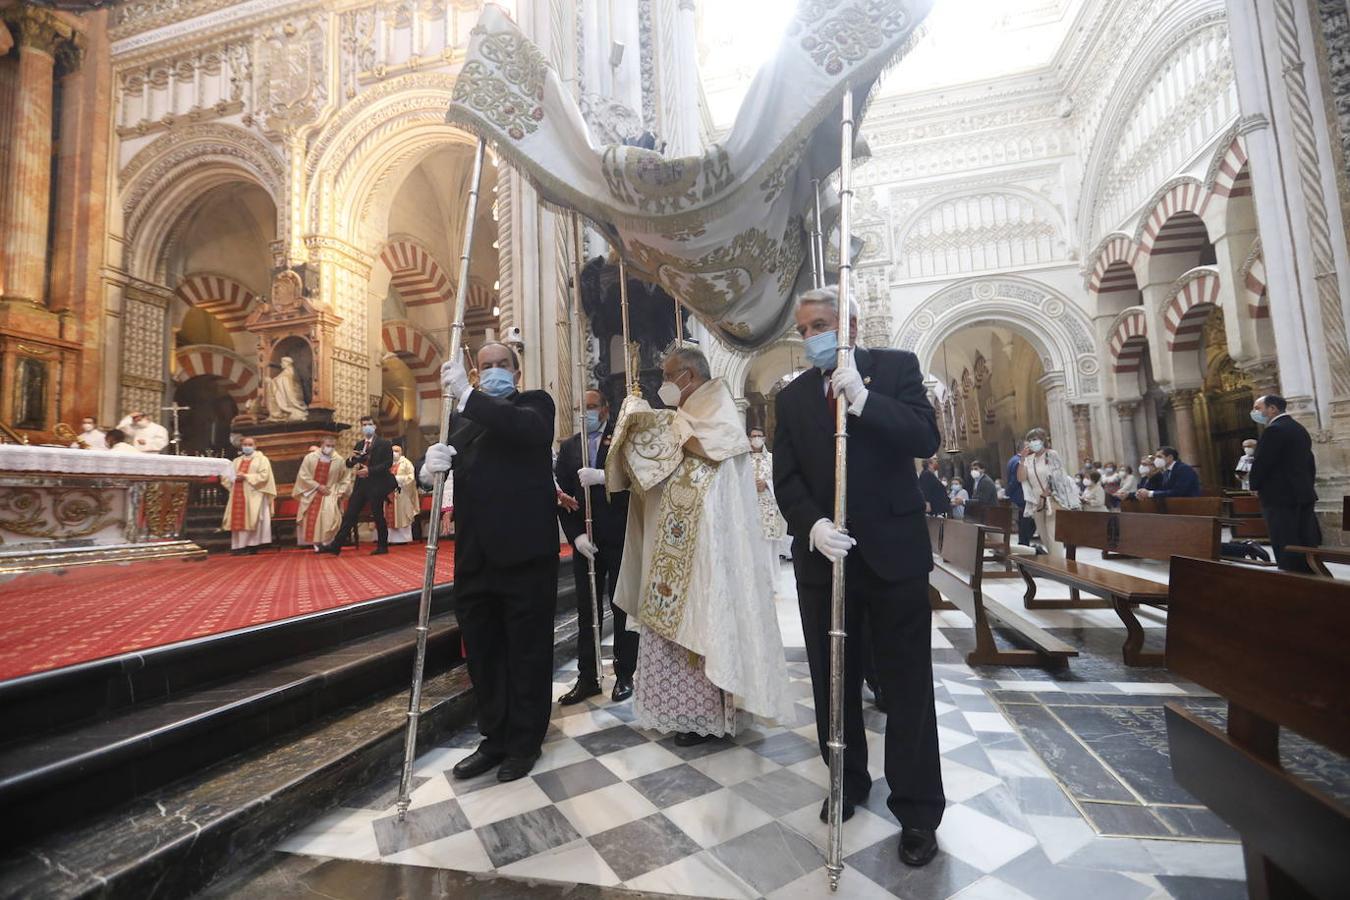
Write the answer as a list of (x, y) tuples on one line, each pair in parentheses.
[(1178, 479), (695, 579), (886, 553), (401, 508), (319, 487), (1150, 476), (506, 555), (609, 518), (248, 513), (1283, 475), (372, 481), (1094, 495)]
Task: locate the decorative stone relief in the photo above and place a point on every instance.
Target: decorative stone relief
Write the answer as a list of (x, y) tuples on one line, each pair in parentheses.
[(293, 86)]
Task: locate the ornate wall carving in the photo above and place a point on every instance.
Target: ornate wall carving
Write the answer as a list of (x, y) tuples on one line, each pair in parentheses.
[(978, 232)]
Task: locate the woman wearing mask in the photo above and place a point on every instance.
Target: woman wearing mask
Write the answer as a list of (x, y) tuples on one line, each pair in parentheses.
[(1094, 495), (1046, 486)]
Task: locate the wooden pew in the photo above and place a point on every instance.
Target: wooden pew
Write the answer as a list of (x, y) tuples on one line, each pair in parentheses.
[(935, 539), (958, 576), (1244, 517), (1174, 506), (999, 522), (1273, 644), (1140, 535), (1318, 557)]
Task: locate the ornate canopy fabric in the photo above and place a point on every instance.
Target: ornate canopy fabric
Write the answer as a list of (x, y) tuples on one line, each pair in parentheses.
[(724, 232)]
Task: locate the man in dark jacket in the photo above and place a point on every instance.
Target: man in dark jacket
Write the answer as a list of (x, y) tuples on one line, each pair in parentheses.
[(982, 488), (886, 552), (1283, 476), (1176, 480), (609, 522), (1026, 525), (935, 498), (372, 461), (506, 555)]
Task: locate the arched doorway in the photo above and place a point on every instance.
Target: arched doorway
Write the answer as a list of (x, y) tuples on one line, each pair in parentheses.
[(769, 372)]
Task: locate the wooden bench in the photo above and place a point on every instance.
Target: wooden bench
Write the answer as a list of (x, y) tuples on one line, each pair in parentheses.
[(1244, 517), (1140, 535), (958, 574), (999, 521), (935, 539), (1174, 506), (1272, 644), (1318, 557)]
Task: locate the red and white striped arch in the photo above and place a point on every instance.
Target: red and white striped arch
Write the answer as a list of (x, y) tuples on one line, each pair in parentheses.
[(416, 275), (223, 297), (1113, 269), (240, 377), (1129, 340), (1174, 225), (418, 351), (1233, 177), (1185, 312), (389, 417), (1255, 289)]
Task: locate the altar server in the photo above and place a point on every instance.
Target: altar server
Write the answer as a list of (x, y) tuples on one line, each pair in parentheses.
[(90, 436), (401, 508), (319, 486), (145, 435), (248, 514)]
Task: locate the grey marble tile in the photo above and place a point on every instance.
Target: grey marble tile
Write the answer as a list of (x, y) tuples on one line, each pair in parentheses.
[(674, 785), (620, 737), (769, 857), (1000, 803), (697, 751), (643, 846), (797, 689), (1071, 763), (1188, 887), (423, 823), (795, 654), (973, 703), (624, 712), (575, 780), (972, 755), (1200, 823), (780, 793), (1125, 819), (522, 836), (786, 749), (1040, 797), (941, 878), (381, 795), (1037, 877)]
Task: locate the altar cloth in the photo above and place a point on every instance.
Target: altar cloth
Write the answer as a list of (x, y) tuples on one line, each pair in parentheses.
[(70, 461)]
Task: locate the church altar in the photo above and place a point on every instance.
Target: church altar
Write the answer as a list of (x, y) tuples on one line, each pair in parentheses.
[(62, 507)]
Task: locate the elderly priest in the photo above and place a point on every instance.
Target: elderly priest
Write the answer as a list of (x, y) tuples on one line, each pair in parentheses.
[(248, 514), (319, 486), (695, 580)]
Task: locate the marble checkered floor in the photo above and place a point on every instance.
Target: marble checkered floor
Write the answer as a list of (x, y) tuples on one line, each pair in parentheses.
[(614, 806)]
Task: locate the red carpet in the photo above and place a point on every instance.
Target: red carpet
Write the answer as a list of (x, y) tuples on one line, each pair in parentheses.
[(56, 620)]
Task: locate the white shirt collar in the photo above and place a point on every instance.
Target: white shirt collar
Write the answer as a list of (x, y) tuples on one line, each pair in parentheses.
[(1276, 419)]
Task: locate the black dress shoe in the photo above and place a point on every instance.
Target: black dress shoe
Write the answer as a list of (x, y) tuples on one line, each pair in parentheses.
[(623, 689), (379, 551), (580, 691), (692, 739), (475, 764), (516, 767), (918, 846), (1257, 552), (328, 548), (847, 811)]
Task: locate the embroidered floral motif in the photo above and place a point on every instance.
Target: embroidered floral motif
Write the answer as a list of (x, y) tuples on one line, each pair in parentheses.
[(839, 34), (509, 91), (661, 186), (681, 510)]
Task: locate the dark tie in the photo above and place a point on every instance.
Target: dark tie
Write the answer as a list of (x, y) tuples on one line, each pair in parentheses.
[(832, 401)]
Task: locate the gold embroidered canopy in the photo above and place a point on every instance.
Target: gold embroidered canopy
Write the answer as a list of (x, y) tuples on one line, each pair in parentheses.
[(724, 232)]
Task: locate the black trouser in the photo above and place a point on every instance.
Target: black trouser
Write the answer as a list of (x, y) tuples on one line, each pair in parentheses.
[(1292, 525), (607, 563), (363, 495), (899, 624), (505, 615), (1026, 526)]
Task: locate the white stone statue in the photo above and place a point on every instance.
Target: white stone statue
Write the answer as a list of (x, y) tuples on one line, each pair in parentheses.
[(285, 399)]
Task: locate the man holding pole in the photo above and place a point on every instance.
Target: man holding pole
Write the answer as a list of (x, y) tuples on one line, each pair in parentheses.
[(890, 423), (506, 555), (603, 548)]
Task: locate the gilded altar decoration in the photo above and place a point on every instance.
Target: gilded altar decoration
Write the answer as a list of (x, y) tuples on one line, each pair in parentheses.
[(163, 507), (721, 230), (56, 513)]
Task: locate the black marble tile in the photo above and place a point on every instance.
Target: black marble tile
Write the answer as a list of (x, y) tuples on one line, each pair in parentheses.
[(780, 793), (1079, 771), (643, 846), (786, 748), (769, 857), (1190, 887), (620, 737), (1199, 823), (422, 824), (674, 785), (575, 780), (525, 835), (1133, 742), (1126, 820), (943, 877)]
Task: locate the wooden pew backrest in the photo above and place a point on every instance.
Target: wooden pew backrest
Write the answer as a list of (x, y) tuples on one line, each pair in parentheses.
[(1145, 535), (997, 515), (962, 549), (1175, 506), (935, 533)]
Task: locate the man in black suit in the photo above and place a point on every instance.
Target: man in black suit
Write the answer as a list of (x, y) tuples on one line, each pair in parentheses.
[(934, 494), (506, 555), (372, 460), (890, 424), (982, 488), (609, 522), (1283, 476), (1176, 480)]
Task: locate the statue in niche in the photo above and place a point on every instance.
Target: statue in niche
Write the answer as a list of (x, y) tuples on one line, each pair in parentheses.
[(285, 397)]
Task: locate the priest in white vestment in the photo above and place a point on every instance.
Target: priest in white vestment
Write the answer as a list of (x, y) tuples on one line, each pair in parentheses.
[(143, 434), (248, 514), (401, 508), (319, 486), (695, 579), (91, 437)]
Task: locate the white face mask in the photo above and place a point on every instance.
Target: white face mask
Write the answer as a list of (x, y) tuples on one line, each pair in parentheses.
[(88, 427), (976, 473), (1248, 451), (757, 443), (1160, 462), (670, 394), (327, 451)]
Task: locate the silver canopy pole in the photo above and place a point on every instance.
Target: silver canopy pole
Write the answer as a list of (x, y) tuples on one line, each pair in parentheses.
[(583, 443)]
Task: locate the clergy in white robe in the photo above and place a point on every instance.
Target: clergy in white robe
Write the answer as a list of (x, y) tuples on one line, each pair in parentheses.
[(143, 434), (771, 521), (91, 437), (319, 487), (248, 514), (695, 579), (401, 508)]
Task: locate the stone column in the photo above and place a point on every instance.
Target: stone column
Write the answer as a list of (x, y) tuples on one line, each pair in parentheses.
[(1265, 377), (1182, 403), (683, 128), (1129, 439), (26, 137), (1082, 429)]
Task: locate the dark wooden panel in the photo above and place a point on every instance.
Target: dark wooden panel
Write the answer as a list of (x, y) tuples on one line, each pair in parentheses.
[(1174, 506), (1145, 535)]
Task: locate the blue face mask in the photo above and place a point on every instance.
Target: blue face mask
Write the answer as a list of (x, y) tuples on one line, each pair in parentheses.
[(368, 430), (497, 382), (593, 423), (822, 349), (247, 451), (1260, 418)]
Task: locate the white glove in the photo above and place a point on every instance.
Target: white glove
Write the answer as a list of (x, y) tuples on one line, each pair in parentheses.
[(585, 546), (591, 477), (437, 461), (829, 541), (849, 385), (454, 380)]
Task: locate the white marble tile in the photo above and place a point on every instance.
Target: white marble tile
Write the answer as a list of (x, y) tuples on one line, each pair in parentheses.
[(502, 801), (342, 833), (989, 722), (700, 875), (1061, 836), (462, 852), (1148, 687), (938, 641), (860, 832), (991, 888), (853, 885), (1017, 764), (736, 765), (442, 759), (607, 808), (961, 782), (586, 722), (717, 817), (1019, 685), (561, 753), (942, 708), (574, 863), (1201, 860), (957, 687), (981, 841), (876, 753), (640, 760), (434, 790), (949, 739)]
